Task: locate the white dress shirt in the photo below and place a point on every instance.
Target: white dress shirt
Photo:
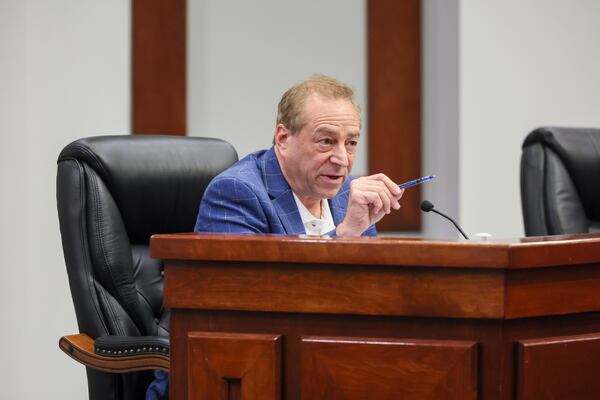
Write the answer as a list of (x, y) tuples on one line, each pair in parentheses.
[(312, 225)]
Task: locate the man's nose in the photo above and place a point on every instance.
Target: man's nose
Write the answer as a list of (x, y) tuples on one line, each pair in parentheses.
[(340, 156)]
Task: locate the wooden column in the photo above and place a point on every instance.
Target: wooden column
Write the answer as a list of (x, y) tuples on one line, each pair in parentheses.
[(394, 101), (159, 67)]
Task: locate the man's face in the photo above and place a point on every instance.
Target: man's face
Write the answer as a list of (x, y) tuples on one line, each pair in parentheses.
[(317, 160)]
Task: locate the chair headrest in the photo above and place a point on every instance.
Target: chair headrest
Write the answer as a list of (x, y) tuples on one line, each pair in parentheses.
[(579, 150), (156, 181)]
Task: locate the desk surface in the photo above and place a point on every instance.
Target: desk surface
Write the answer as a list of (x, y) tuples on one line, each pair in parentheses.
[(521, 253)]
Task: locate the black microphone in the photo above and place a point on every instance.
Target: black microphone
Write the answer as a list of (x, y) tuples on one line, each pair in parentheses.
[(427, 206)]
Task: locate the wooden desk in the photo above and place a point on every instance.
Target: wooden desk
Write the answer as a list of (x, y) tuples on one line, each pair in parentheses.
[(272, 317)]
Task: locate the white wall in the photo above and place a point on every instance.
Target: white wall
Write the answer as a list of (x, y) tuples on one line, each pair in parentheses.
[(242, 56), (523, 64), (440, 102), (64, 74)]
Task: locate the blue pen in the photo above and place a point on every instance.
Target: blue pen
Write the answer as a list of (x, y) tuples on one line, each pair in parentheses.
[(416, 182)]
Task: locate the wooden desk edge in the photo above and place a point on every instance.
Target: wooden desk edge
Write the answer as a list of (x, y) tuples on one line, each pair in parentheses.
[(376, 251)]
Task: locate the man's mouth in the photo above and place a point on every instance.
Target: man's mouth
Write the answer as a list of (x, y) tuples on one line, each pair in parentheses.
[(333, 178)]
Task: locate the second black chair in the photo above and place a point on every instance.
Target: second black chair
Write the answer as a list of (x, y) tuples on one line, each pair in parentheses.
[(113, 193), (560, 181)]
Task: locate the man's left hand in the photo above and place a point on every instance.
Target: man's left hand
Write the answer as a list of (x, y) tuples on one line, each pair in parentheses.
[(371, 197)]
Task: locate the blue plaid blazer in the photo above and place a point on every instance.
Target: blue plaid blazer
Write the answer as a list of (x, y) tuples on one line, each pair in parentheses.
[(252, 196)]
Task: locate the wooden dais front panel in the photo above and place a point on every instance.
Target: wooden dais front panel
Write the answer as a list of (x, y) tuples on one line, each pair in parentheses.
[(232, 366), (563, 367), (368, 368), (335, 289)]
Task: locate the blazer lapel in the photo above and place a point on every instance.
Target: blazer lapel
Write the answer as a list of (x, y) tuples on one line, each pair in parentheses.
[(288, 214), (281, 195)]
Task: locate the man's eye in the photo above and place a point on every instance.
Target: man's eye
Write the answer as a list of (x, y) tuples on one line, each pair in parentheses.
[(351, 145), (326, 142)]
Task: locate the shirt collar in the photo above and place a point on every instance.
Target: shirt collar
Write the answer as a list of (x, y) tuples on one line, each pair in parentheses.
[(314, 226)]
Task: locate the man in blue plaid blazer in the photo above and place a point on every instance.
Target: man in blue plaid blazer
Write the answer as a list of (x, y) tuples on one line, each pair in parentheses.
[(253, 197), (308, 167)]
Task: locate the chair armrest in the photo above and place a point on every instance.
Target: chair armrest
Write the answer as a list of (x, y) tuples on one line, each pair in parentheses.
[(118, 354), (121, 346)]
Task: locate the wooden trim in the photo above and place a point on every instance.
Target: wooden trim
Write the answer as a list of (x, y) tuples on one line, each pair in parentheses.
[(365, 251), (159, 67), (80, 347), (394, 101), (542, 291), (393, 251), (339, 289)]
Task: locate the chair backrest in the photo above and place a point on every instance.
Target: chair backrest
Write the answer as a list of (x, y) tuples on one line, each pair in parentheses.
[(560, 181), (113, 193)]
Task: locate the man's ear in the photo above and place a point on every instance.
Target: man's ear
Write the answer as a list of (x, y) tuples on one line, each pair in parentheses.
[(282, 136)]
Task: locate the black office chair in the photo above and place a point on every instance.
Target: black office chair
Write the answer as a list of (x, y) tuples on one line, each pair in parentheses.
[(113, 193), (560, 181)]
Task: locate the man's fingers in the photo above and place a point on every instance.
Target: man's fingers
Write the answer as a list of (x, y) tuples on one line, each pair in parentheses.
[(374, 200), (388, 199), (381, 179), (390, 184), (396, 202), (372, 197)]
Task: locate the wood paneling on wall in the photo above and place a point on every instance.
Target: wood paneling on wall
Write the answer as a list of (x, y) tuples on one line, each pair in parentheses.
[(159, 67), (394, 101)]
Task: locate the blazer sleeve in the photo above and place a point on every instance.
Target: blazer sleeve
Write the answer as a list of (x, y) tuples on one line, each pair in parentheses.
[(371, 231), (230, 205)]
